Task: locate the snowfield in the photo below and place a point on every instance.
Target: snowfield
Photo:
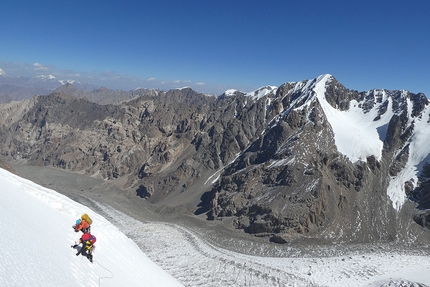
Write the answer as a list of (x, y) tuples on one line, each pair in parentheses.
[(37, 235)]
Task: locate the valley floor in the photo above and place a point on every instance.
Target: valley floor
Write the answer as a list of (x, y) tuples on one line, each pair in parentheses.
[(195, 262), (204, 255)]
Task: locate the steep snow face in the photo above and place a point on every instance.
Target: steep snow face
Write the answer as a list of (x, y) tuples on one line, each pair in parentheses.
[(357, 135), (37, 235), (419, 154)]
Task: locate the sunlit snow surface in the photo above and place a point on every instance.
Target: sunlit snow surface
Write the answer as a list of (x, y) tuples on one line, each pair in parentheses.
[(355, 132), (37, 234), (419, 153)]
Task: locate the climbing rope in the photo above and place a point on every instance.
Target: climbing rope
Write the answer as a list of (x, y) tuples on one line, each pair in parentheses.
[(104, 277)]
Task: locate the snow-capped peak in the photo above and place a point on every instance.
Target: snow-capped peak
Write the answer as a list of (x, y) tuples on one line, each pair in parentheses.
[(261, 92), (230, 92), (63, 82), (45, 78), (2, 73), (325, 78), (255, 95)]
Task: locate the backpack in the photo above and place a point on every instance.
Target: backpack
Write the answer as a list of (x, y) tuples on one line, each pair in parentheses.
[(89, 237), (87, 218), (93, 239)]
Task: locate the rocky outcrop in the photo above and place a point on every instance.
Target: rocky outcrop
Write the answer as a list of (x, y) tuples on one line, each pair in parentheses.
[(104, 96)]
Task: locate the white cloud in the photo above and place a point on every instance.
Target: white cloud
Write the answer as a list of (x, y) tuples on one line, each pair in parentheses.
[(2, 72), (151, 79), (200, 84), (39, 67)]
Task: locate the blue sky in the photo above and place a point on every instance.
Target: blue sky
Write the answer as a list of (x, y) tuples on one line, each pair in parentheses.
[(213, 46)]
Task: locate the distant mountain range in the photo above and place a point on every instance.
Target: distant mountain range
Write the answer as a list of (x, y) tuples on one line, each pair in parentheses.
[(309, 160), (21, 88)]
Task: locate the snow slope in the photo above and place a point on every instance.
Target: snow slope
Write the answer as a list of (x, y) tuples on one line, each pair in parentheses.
[(355, 132), (37, 235), (419, 153)]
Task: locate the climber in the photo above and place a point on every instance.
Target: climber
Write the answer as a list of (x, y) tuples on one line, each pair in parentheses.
[(87, 240), (83, 224)]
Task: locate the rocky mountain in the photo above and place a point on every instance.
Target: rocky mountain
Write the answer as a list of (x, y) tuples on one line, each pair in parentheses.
[(310, 160), (103, 96)]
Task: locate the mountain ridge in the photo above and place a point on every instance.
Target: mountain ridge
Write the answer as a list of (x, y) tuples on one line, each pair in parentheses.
[(289, 162)]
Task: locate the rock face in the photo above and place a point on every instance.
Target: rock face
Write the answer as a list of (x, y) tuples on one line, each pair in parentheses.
[(274, 160)]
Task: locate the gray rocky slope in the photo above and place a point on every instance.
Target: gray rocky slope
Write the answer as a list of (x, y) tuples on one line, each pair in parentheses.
[(268, 162)]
